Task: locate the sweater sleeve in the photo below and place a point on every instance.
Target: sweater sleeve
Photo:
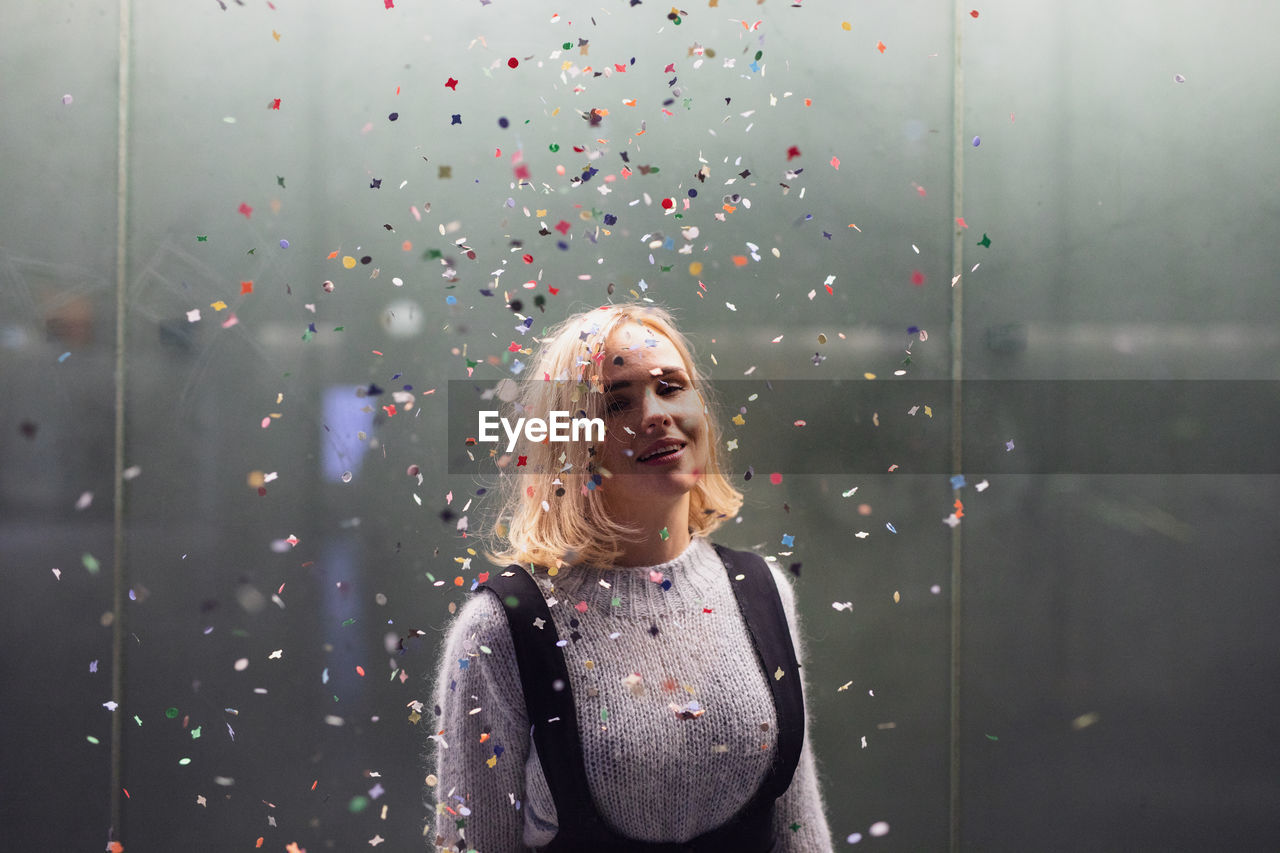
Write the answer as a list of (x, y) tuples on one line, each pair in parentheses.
[(799, 816), (481, 734)]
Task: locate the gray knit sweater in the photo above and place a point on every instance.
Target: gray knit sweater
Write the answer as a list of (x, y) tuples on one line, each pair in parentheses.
[(656, 774)]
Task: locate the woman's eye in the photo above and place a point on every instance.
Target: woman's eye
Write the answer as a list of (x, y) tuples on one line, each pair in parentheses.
[(616, 405), (670, 388)]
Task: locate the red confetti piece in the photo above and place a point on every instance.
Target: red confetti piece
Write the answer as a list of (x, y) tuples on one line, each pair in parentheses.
[(917, 278), (775, 478), (275, 104), (974, 13), (513, 62), (452, 84), (563, 227), (793, 151), (388, 4), (667, 203), (245, 210), (246, 287), (880, 46), (360, 671)]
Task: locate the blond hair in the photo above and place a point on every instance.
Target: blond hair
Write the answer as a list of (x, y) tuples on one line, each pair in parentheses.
[(554, 515)]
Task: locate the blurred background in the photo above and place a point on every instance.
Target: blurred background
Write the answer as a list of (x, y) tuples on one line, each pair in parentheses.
[(250, 249)]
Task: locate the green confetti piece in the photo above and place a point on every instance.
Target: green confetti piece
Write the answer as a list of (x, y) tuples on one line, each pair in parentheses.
[(339, 328), (347, 622), (617, 602), (308, 335), (992, 737), (195, 733), (554, 147), (93, 740), (664, 534), (183, 762), (985, 241), (604, 715), (137, 719), (171, 713), (91, 563), (358, 804)]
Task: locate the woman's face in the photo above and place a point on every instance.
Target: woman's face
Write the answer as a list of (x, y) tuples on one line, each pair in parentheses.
[(656, 427)]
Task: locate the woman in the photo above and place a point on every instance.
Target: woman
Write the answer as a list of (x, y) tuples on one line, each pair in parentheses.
[(627, 685)]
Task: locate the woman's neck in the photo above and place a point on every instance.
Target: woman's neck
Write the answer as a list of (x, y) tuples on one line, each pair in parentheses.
[(650, 548)]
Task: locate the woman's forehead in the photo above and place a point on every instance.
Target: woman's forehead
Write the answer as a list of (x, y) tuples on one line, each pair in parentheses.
[(636, 347)]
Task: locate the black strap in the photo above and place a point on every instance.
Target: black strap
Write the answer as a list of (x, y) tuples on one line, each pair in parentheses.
[(766, 619), (548, 697), (544, 677)]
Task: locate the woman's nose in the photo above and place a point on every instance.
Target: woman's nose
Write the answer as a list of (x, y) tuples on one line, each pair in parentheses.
[(654, 410)]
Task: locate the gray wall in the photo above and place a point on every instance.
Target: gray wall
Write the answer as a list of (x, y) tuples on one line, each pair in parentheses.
[(1086, 662)]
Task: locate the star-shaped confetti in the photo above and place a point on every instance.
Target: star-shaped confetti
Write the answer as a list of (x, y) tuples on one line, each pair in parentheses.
[(457, 119), (985, 241), (452, 84)]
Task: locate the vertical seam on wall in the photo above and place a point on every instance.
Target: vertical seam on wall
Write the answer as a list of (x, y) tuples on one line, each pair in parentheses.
[(957, 372), (118, 553)]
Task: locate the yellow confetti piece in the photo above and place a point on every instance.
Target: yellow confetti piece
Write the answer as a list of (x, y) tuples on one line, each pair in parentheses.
[(869, 376), (493, 761), (348, 262), (695, 268), (777, 676), (218, 306), (846, 26), (896, 597)]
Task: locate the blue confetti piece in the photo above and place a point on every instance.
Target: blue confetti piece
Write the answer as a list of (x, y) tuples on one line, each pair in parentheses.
[(64, 357), (451, 300), (666, 584), (977, 140), (957, 482), (284, 244), (892, 529), (788, 539)]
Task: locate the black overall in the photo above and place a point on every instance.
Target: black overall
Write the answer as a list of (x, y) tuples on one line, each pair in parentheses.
[(553, 714)]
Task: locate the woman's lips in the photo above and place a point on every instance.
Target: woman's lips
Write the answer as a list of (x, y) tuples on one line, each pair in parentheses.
[(665, 459)]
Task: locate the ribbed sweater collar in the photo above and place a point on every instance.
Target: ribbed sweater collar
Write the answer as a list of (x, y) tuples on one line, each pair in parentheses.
[(696, 577)]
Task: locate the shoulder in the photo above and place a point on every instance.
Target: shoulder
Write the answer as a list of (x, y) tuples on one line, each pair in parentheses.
[(481, 620), (785, 590)]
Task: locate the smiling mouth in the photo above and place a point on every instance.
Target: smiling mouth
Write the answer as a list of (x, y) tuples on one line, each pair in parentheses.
[(662, 453)]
